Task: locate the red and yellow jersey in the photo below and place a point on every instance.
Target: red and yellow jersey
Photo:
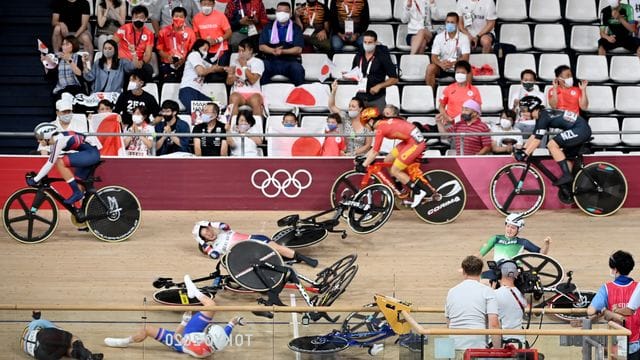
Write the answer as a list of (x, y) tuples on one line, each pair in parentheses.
[(129, 35), (396, 129), (176, 43)]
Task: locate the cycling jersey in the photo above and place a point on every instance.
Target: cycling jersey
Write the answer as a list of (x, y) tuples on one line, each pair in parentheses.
[(85, 156), (194, 340), (396, 129), (505, 248), (43, 340), (226, 239), (560, 119)]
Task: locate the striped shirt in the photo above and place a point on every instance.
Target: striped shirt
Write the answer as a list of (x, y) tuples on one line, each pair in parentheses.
[(318, 12), (472, 144), (359, 11)]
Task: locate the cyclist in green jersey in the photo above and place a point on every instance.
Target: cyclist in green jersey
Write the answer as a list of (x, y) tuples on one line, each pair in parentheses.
[(507, 246)]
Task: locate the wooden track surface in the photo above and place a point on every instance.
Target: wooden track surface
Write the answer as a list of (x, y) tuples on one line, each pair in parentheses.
[(407, 258)]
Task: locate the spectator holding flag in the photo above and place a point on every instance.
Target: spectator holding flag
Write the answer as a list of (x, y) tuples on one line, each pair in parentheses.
[(244, 77)]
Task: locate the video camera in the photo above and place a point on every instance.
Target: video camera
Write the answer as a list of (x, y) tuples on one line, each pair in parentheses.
[(526, 281)]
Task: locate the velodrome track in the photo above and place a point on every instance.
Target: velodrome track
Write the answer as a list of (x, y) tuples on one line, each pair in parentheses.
[(412, 260)]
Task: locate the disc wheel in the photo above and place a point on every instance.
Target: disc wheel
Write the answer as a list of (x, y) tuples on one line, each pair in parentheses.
[(546, 267), (24, 225), (452, 203), (113, 213), (575, 300), (373, 207), (323, 344), (177, 297), (513, 191), (600, 189), (300, 236)]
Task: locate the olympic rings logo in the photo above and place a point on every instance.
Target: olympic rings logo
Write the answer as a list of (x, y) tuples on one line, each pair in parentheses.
[(281, 181)]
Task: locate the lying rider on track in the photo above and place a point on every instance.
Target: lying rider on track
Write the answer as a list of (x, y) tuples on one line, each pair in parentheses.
[(195, 335), (216, 238), (509, 245)]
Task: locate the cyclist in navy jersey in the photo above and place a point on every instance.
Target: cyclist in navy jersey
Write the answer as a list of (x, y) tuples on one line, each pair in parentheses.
[(575, 132)]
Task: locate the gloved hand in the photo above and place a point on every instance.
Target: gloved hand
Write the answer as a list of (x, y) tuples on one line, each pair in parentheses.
[(360, 168), (31, 181), (520, 155)]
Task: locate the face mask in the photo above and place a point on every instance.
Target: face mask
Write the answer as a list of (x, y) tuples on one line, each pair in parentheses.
[(138, 24), (132, 86), (108, 54), (289, 125), (203, 52), (568, 82), (460, 78), (282, 16), (167, 118), (369, 47), (505, 123), (450, 27), (206, 117), (243, 127), (207, 10), (466, 117), (332, 127), (178, 22), (528, 86), (612, 273), (137, 119), (353, 113), (66, 118)]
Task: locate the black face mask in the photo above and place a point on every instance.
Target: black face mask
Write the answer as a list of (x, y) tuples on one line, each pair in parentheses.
[(167, 118), (466, 117), (138, 24), (527, 86)]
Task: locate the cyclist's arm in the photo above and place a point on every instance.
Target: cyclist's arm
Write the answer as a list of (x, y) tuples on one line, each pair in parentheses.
[(530, 247), (531, 144), (545, 247), (56, 150), (484, 250), (371, 156)]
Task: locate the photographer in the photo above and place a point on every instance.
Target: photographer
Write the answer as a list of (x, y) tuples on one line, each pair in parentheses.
[(511, 302)]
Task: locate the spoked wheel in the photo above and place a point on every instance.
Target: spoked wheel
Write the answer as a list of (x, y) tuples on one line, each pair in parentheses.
[(177, 297), (452, 201), (371, 209), (547, 268), (513, 191), (113, 213), (300, 236), (600, 189), (574, 300), (323, 344), (347, 186), (336, 287), (24, 225), (326, 276), (365, 322)]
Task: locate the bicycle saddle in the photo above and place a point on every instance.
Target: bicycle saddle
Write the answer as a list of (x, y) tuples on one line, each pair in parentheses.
[(566, 288), (288, 220)]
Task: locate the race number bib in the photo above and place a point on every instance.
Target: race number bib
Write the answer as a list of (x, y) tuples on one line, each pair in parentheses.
[(252, 30), (308, 31), (570, 116), (348, 26), (417, 135), (362, 84)]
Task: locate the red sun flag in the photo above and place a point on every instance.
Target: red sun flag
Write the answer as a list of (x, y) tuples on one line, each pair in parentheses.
[(306, 146), (315, 94), (325, 70), (42, 47), (301, 96), (239, 72)]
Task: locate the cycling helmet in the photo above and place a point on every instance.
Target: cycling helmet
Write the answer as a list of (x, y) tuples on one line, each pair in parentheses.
[(370, 113), (531, 103), (196, 231), (45, 131), (515, 219), (217, 338)]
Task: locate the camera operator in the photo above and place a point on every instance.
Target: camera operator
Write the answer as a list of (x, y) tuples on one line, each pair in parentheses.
[(511, 302)]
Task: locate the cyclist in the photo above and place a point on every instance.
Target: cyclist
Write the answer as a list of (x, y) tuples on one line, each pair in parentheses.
[(81, 160), (406, 152), (575, 132), (195, 335), (507, 246), (216, 239)]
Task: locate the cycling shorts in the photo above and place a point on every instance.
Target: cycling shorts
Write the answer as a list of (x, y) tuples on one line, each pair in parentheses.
[(198, 323), (574, 137), (406, 153), (82, 160)]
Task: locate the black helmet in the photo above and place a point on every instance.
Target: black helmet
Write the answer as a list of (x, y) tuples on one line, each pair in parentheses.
[(531, 103)]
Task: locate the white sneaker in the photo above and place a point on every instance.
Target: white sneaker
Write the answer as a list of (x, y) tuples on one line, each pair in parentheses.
[(417, 198), (117, 342), (192, 289), (376, 349)]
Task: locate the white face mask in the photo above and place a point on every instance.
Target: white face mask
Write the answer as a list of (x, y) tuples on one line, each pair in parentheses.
[(243, 127), (282, 16), (612, 273), (460, 77), (132, 86), (207, 10), (65, 118), (353, 113), (137, 119), (568, 82), (505, 123), (369, 47)]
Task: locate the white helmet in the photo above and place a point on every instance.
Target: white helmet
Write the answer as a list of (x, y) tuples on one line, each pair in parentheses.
[(217, 338), (515, 219), (196, 231), (44, 131)]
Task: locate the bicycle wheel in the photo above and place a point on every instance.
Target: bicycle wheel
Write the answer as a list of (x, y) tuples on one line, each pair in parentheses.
[(337, 287), (546, 267), (450, 206), (24, 225), (301, 236), (347, 186), (368, 321), (600, 189), (326, 276), (371, 209), (510, 193), (177, 297), (575, 300), (322, 344), (113, 213)]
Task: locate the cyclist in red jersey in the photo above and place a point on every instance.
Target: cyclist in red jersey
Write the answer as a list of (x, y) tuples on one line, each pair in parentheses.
[(410, 148)]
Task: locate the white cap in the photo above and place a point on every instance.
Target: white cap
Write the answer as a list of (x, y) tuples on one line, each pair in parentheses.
[(64, 104), (614, 3)]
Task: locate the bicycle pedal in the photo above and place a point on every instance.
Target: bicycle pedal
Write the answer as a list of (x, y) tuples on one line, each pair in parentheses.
[(84, 229)]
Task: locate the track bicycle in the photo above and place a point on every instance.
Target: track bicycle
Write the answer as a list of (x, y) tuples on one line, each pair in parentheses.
[(443, 205), (255, 267), (111, 213), (598, 189)]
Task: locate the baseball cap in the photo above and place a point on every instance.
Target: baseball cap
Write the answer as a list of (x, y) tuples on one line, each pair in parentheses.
[(509, 269), (64, 104), (473, 105)]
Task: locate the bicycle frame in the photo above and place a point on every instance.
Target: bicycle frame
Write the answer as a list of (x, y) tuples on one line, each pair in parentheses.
[(377, 170), (80, 217)]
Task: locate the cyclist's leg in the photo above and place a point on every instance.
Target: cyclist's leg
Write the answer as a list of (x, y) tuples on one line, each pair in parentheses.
[(285, 251), (81, 161), (567, 139), (407, 154)]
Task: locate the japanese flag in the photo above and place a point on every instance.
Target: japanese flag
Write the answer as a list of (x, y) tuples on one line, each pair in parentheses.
[(309, 95), (108, 123), (354, 74), (42, 47), (326, 69)]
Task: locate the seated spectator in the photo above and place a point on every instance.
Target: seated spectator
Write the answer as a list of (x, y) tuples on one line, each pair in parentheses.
[(135, 41), (290, 120), (617, 28), (281, 43), (195, 70), (245, 124), (167, 143), (105, 106), (504, 144), (244, 77), (391, 111), (71, 17), (378, 71), (528, 87), (68, 74), (565, 96), (473, 145), (418, 15), (162, 13), (478, 21), (448, 48), (247, 19), (334, 145), (137, 145), (133, 97), (209, 145), (455, 95), (358, 135), (313, 18), (108, 72), (349, 20), (213, 26), (111, 15), (174, 42), (64, 121)]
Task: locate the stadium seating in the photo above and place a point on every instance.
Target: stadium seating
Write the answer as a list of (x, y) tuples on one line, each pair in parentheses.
[(413, 67), (312, 64), (604, 124), (549, 37), (417, 99), (479, 60), (627, 99), (511, 10), (544, 10), (600, 99), (548, 63), (584, 38), (491, 98), (631, 124), (275, 95), (625, 69), (581, 11), (516, 34), (515, 63), (152, 89), (380, 10), (592, 68), (170, 92)]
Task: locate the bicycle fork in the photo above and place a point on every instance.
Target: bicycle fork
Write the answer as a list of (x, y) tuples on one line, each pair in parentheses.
[(37, 201)]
